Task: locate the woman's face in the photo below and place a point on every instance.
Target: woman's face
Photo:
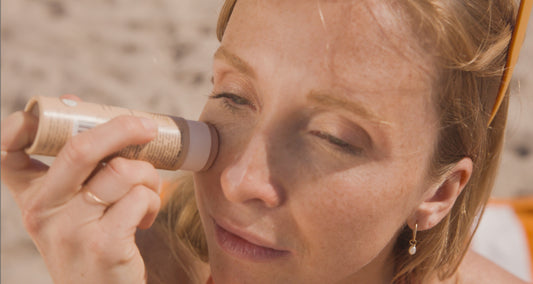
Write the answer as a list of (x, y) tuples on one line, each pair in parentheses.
[(327, 127)]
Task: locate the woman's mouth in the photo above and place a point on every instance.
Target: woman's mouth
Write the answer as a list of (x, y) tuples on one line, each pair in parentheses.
[(242, 245)]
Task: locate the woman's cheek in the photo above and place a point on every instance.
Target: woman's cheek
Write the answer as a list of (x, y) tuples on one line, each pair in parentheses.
[(345, 210)]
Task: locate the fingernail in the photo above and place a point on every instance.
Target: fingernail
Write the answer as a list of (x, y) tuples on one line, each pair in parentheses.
[(149, 124), (69, 102), (4, 153)]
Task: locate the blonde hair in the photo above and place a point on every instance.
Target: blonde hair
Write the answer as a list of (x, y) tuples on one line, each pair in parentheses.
[(469, 40)]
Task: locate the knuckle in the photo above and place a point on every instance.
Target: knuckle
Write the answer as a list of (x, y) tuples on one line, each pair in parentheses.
[(77, 149), (119, 167), (135, 172), (129, 125), (141, 193), (32, 219), (150, 173), (32, 222), (106, 251), (97, 246), (138, 192)]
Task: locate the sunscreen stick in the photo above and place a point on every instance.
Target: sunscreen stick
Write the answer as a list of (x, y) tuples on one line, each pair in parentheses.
[(180, 143)]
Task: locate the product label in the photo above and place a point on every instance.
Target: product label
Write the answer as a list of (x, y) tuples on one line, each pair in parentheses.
[(59, 121)]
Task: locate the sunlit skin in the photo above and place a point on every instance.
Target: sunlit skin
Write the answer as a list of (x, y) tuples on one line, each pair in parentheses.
[(327, 123), (327, 129), (327, 126)]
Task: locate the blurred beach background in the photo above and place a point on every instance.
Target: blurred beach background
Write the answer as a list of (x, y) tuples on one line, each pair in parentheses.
[(156, 56)]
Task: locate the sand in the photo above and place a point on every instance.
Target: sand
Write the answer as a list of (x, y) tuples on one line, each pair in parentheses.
[(154, 56)]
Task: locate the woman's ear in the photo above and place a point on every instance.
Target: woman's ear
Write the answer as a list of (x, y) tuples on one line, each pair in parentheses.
[(438, 201)]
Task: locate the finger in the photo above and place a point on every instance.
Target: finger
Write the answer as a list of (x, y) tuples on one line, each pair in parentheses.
[(20, 164), (114, 181), (18, 131), (19, 171), (137, 209), (84, 151)]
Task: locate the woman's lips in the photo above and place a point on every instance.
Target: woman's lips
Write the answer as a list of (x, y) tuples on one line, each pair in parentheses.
[(245, 246)]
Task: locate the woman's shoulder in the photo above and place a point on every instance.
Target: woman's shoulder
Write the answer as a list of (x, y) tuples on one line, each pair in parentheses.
[(477, 269)]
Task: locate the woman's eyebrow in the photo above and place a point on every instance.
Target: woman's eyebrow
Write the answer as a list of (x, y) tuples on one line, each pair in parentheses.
[(318, 97), (337, 102), (223, 54)]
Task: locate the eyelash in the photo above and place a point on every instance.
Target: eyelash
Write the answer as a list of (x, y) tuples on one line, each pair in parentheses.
[(232, 101), (342, 145)]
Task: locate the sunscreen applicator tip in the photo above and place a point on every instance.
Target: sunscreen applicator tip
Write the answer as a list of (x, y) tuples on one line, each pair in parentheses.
[(203, 146)]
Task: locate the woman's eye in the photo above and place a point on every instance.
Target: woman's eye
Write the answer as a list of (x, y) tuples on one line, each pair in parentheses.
[(338, 143), (233, 101)]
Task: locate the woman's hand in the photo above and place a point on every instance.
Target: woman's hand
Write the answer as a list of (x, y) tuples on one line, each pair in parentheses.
[(84, 239)]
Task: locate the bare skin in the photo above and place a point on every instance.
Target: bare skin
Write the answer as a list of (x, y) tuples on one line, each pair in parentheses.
[(474, 268), (327, 129), (80, 240), (323, 126), (477, 269)]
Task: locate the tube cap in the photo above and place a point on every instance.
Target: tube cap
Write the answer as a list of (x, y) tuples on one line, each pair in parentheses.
[(203, 146)]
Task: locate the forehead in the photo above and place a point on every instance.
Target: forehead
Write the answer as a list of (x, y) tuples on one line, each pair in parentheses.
[(345, 41)]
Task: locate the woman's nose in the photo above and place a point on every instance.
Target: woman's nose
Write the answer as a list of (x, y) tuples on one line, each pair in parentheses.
[(249, 177)]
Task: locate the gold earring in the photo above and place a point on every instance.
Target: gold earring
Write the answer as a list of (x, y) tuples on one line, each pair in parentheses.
[(412, 242)]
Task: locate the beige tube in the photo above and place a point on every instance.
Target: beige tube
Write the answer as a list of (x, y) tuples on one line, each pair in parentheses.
[(180, 144)]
